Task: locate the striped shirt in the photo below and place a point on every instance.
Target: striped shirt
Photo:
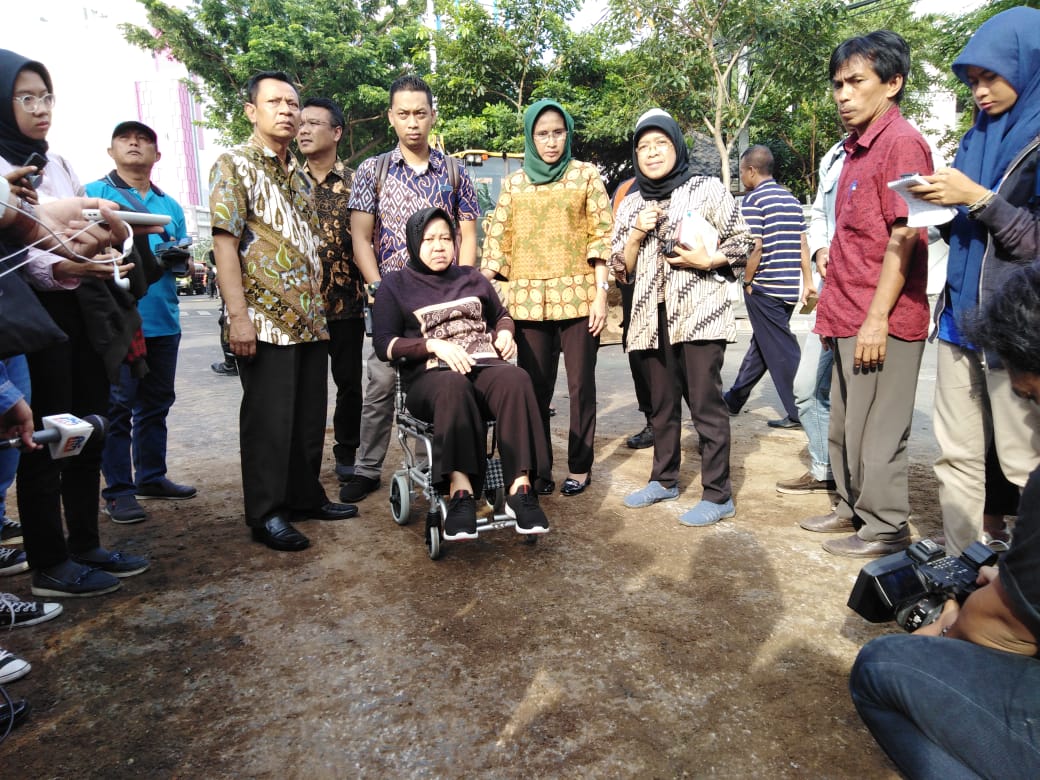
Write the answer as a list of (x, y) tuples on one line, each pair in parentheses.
[(775, 216)]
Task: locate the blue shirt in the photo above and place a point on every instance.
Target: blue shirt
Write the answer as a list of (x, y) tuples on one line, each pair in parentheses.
[(159, 308), (775, 216)]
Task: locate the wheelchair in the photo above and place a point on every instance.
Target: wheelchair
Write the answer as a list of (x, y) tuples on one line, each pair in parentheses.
[(416, 438)]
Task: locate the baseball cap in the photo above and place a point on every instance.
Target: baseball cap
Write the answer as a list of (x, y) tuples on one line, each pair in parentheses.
[(124, 127)]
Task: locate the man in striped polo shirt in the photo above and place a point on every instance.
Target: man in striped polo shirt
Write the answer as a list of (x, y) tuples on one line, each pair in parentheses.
[(778, 265)]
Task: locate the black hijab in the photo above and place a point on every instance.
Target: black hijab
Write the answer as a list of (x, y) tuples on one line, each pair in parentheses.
[(659, 189), (15, 147), (413, 233)]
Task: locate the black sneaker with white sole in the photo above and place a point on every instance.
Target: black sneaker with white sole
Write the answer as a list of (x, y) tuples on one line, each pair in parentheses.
[(71, 579), (11, 668), (461, 520), (523, 508), (115, 563), (10, 531), (12, 560), (15, 612)]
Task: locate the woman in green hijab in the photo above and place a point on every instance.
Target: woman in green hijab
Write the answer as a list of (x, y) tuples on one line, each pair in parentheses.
[(550, 238)]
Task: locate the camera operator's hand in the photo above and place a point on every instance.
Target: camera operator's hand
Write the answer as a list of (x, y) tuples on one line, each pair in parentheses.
[(951, 610)]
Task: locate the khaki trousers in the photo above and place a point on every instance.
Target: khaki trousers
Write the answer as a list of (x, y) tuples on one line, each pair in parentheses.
[(974, 407)]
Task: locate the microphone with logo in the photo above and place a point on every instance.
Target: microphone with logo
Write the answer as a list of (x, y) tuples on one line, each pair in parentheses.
[(65, 434)]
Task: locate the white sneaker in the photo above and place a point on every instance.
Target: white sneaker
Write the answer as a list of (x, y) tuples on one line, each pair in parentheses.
[(12, 667)]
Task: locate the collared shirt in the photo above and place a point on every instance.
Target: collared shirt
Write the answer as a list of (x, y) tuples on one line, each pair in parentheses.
[(404, 192), (775, 216), (269, 210), (342, 285), (865, 212), (159, 308)]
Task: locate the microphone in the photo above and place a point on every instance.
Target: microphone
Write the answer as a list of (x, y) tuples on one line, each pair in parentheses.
[(65, 434)]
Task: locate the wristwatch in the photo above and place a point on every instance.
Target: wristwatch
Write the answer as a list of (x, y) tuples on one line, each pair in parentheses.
[(372, 287), (605, 286)]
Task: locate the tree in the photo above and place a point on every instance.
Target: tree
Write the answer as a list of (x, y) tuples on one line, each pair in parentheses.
[(349, 51), (711, 61)]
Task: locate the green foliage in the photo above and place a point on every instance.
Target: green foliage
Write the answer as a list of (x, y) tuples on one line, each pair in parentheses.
[(349, 51)]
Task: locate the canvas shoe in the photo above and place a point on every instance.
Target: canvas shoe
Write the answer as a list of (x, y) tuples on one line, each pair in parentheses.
[(71, 579), (15, 612), (10, 532), (461, 520), (124, 510), (115, 563), (651, 494), (12, 667), (12, 561), (523, 507), (707, 513)]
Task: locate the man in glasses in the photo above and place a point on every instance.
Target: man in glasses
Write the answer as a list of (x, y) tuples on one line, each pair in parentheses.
[(321, 127)]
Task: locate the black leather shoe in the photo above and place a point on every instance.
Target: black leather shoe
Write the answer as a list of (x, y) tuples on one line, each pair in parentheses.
[(357, 488), (786, 423), (571, 487), (544, 487), (333, 511), (641, 440), (279, 534)]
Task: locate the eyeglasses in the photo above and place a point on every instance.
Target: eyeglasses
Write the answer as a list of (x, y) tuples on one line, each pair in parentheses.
[(30, 103), (545, 135), (653, 146), (315, 123)]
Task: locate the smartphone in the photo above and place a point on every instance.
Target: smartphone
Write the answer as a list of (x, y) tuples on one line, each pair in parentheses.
[(40, 162), (810, 305)]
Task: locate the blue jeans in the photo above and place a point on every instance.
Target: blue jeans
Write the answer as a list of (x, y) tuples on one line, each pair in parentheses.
[(946, 708), (812, 394), (18, 375), (137, 421)]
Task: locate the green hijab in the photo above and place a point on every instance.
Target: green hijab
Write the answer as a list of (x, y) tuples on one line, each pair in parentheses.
[(539, 171)]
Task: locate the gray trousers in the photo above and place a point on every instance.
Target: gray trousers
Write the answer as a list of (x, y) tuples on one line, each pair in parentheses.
[(870, 425), (377, 419)]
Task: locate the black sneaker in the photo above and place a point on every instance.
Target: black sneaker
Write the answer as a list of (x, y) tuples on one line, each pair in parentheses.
[(224, 368), (461, 522), (164, 488), (115, 563), (12, 561), (15, 612), (10, 531), (523, 508), (357, 488), (11, 668), (72, 579), (124, 510)]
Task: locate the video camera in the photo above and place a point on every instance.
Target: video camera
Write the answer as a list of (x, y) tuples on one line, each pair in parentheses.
[(173, 256), (911, 587)]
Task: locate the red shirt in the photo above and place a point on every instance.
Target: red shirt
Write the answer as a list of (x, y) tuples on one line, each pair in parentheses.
[(865, 211)]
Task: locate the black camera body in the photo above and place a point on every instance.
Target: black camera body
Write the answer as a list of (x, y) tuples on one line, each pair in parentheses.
[(911, 587), (173, 256)]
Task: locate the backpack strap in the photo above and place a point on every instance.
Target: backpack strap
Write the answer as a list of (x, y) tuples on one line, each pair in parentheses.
[(382, 169), (621, 192)]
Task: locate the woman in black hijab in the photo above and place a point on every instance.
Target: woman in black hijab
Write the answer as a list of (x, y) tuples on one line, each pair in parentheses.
[(447, 326), (100, 320), (681, 317)]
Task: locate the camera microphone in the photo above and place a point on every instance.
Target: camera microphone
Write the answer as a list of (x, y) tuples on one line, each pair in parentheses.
[(65, 434)]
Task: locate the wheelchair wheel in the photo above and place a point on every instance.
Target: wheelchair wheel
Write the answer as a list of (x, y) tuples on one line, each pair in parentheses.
[(401, 499), (433, 534)]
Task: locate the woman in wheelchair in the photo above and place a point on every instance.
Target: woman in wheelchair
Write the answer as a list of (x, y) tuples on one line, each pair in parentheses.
[(446, 326)]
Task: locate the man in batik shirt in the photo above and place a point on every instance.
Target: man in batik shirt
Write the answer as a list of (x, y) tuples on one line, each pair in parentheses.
[(265, 244), (321, 128)]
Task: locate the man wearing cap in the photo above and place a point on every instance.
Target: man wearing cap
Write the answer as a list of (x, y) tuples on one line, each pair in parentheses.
[(134, 456)]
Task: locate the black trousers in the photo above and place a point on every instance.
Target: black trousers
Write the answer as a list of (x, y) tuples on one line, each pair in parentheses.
[(773, 348), (68, 377), (346, 342), (638, 379), (282, 429), (538, 353), (700, 362), (458, 404)]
